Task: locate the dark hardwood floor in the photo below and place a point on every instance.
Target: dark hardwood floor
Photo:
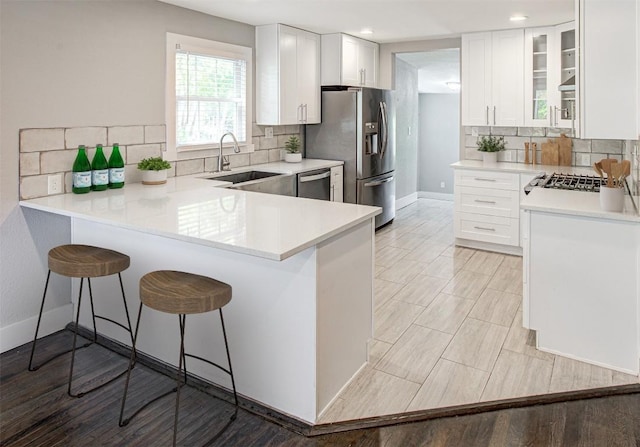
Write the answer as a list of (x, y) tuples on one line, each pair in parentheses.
[(36, 411)]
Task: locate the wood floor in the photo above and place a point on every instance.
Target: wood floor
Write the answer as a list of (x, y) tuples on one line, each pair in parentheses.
[(36, 411)]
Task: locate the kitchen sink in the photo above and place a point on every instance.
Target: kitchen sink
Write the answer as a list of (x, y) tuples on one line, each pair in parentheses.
[(241, 177)]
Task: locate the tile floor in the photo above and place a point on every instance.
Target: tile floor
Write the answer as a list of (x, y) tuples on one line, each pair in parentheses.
[(447, 327)]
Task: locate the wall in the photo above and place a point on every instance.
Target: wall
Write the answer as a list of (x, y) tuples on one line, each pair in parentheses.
[(439, 141), (75, 64), (406, 115)]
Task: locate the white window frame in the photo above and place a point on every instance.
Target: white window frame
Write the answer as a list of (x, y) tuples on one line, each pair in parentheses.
[(214, 49)]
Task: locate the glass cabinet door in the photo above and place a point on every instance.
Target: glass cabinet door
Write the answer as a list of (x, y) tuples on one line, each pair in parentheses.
[(565, 111), (538, 47)]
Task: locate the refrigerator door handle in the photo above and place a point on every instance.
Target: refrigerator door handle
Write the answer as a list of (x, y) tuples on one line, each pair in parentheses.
[(384, 128), (379, 182)]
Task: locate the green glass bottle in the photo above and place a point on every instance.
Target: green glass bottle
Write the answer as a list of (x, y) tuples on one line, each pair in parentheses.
[(81, 172), (99, 170), (116, 168)]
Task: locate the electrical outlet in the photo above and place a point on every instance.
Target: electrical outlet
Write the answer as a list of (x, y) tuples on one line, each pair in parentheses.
[(268, 132), (442, 185), (54, 184)]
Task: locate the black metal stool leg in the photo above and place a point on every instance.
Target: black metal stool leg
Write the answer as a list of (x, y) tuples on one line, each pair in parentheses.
[(35, 337), (226, 345), (126, 311), (122, 422), (182, 319), (93, 313), (75, 335)]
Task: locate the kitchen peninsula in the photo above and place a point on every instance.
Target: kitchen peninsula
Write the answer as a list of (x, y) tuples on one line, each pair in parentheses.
[(301, 271)]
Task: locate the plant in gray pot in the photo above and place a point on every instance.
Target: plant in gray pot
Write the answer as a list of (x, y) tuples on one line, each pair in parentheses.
[(292, 146), (489, 146), (154, 170)]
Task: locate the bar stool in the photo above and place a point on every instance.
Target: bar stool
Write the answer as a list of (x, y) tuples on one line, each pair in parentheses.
[(181, 293), (83, 261)]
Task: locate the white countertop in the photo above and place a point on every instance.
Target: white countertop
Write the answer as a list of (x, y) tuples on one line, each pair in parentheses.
[(520, 168), (195, 210)]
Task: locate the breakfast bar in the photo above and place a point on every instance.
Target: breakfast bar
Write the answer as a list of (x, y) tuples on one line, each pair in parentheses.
[(301, 271)]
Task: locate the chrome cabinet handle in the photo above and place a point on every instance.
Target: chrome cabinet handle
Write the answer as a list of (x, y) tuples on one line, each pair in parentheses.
[(379, 182), (487, 115), (484, 228), (311, 178), (494, 115), (485, 201), (299, 113), (480, 179)]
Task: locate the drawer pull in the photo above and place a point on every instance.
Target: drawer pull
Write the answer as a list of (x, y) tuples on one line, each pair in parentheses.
[(484, 228), (485, 201), (480, 179)]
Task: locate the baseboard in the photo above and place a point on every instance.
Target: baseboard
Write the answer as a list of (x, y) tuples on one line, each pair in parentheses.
[(435, 195), (488, 246), (406, 200), (19, 333)]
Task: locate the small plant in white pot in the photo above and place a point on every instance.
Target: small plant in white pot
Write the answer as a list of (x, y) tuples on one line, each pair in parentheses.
[(154, 170), (490, 146), (292, 146)]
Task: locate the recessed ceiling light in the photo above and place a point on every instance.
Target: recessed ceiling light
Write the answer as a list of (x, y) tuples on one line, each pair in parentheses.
[(366, 31), (518, 18), (453, 85)]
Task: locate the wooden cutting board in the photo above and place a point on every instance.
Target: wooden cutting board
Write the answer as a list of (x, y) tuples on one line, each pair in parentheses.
[(564, 150), (550, 153)]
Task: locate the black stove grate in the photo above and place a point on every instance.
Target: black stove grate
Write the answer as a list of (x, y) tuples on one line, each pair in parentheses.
[(575, 182)]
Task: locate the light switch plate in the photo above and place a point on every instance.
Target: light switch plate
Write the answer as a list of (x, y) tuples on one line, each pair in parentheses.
[(54, 184), (268, 132)]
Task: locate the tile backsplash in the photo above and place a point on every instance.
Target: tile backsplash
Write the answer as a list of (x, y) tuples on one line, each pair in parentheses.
[(584, 152), (52, 151)]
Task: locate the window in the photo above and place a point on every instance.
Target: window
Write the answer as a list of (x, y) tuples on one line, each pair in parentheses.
[(208, 94)]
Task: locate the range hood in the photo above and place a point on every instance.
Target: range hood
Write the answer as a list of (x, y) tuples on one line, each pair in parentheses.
[(569, 85)]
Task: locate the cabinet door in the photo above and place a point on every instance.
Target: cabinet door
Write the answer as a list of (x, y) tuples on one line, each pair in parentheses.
[(308, 76), (476, 79), (350, 64), (368, 61), (507, 87), (539, 83), (564, 105), (288, 71)]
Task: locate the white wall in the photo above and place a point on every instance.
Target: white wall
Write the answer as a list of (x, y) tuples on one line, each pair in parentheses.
[(406, 116), (70, 64), (438, 141)]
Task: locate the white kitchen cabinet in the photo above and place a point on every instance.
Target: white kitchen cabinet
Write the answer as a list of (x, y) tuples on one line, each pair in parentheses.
[(347, 60), (608, 69), (550, 58), (493, 78), (337, 184), (287, 75)]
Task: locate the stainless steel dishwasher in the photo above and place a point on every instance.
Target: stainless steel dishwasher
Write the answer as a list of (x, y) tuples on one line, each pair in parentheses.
[(315, 184)]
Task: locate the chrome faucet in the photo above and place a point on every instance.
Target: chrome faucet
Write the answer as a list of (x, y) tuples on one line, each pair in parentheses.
[(224, 166)]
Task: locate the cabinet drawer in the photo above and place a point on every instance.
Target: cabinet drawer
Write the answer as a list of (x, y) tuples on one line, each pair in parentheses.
[(487, 179), (497, 230), (488, 201)]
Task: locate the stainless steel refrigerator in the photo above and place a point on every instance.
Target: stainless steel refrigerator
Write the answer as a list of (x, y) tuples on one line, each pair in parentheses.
[(358, 127)]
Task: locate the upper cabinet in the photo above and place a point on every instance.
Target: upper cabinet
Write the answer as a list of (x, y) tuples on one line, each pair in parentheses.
[(550, 67), (608, 69), (347, 60), (287, 75), (493, 78)]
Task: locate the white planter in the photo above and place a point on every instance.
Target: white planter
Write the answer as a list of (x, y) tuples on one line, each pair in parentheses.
[(154, 177), (611, 199), (293, 158), (490, 157)]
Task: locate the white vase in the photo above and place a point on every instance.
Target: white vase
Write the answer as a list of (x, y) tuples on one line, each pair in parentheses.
[(490, 157), (293, 158), (611, 199), (154, 177)]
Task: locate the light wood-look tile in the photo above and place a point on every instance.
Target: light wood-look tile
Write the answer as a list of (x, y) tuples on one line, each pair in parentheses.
[(523, 341), (427, 251), (429, 228), (383, 291), (378, 269), (388, 256), (569, 375), (459, 252), (484, 262), (393, 318), (377, 349), (624, 379), (446, 313), (496, 307), (445, 267), (382, 240), (517, 375), (450, 384), (372, 393), (407, 241), (476, 344), (403, 271), (467, 284), (507, 280), (421, 290), (512, 262), (415, 353)]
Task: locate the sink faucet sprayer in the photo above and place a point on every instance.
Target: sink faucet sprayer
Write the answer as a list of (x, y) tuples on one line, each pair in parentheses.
[(236, 150)]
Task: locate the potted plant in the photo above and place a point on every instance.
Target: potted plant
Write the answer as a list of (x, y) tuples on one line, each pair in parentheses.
[(292, 146), (154, 170), (490, 146)]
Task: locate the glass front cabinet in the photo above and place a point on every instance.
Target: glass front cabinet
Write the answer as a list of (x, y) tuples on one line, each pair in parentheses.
[(550, 74)]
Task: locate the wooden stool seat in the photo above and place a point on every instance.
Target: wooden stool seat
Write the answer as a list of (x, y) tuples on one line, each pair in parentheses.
[(86, 261), (183, 293)]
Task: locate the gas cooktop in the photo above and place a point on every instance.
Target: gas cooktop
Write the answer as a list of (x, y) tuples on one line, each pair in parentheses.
[(573, 182)]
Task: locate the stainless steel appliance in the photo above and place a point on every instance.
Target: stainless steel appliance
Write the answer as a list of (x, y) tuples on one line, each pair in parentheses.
[(358, 128), (315, 184), (574, 182)]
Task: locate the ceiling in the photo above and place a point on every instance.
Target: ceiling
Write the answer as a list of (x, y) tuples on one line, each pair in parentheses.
[(390, 20), (435, 69)]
